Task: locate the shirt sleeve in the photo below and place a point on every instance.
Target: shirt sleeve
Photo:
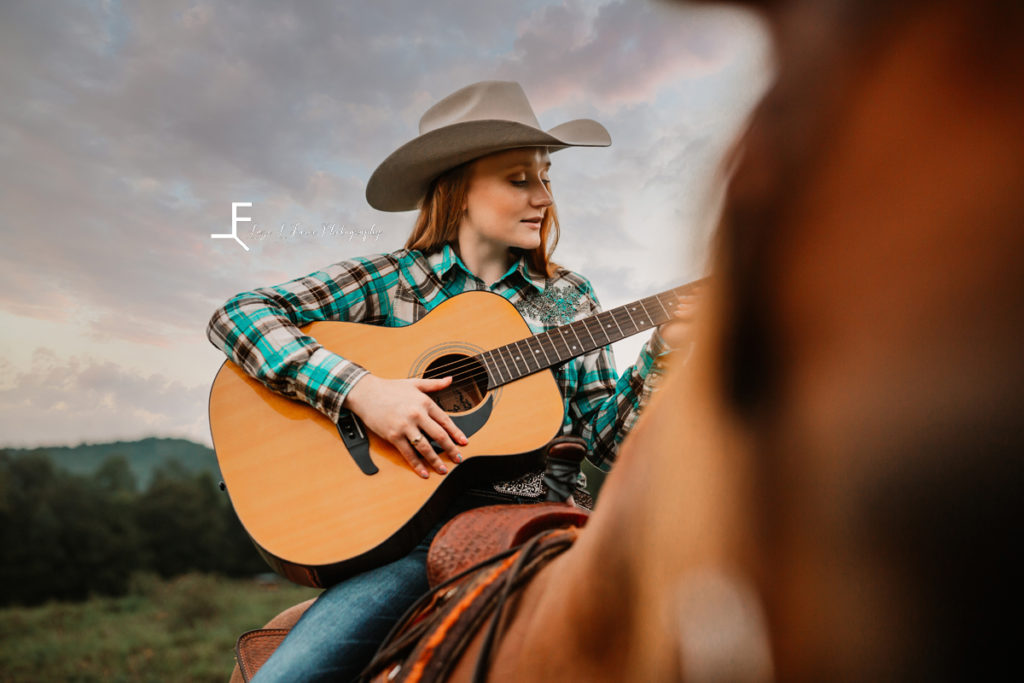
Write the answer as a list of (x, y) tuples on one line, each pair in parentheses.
[(602, 405), (259, 329)]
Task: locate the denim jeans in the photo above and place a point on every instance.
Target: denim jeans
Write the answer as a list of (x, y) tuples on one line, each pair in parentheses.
[(338, 635)]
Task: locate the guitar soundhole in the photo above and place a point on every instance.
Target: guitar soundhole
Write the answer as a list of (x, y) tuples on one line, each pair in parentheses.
[(469, 382)]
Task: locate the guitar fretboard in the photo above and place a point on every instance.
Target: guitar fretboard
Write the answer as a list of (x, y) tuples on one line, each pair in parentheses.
[(524, 357)]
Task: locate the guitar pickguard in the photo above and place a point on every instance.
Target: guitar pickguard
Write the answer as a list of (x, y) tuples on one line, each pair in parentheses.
[(472, 422)]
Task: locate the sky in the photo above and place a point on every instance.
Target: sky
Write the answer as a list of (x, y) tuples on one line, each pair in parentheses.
[(127, 131)]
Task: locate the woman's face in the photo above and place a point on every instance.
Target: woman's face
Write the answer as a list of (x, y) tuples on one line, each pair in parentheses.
[(508, 198)]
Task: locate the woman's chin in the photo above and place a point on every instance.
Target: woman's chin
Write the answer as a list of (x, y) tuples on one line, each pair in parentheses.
[(529, 242)]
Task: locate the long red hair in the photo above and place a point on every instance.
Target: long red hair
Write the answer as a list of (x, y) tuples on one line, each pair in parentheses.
[(441, 213)]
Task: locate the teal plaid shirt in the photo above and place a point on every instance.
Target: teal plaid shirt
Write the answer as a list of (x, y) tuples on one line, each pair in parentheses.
[(258, 330)]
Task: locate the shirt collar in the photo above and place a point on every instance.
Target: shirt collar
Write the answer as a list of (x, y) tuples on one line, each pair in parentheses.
[(441, 262)]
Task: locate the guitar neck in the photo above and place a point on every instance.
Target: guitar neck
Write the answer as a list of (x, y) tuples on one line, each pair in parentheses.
[(524, 357)]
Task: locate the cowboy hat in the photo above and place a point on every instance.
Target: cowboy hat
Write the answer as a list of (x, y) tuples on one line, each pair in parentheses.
[(479, 119)]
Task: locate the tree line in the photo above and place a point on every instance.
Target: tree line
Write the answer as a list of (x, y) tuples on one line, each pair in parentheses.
[(67, 536)]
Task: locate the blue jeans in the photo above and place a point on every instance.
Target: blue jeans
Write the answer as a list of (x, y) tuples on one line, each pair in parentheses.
[(338, 635)]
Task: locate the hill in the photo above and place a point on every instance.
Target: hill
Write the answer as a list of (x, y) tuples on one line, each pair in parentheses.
[(144, 456)]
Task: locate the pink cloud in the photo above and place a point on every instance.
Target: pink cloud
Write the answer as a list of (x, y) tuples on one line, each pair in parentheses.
[(624, 54)]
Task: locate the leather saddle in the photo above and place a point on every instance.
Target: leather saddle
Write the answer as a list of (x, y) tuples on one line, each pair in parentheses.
[(465, 546)]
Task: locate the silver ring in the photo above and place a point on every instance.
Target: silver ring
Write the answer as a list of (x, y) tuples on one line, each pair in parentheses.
[(419, 437)]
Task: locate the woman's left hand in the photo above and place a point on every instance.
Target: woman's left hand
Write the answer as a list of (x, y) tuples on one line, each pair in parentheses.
[(678, 332)]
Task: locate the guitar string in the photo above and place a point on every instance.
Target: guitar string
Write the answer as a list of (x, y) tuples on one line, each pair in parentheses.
[(619, 315), (469, 367)]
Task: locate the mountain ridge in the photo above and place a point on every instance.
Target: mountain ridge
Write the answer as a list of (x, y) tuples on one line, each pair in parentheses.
[(144, 456)]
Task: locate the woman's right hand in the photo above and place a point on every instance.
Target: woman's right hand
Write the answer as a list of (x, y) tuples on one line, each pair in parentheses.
[(400, 411)]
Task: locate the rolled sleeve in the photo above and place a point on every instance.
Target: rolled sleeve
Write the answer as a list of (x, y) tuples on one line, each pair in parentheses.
[(258, 330), (325, 380)]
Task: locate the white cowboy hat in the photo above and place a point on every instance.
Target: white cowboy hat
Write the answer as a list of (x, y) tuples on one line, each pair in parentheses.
[(479, 119)]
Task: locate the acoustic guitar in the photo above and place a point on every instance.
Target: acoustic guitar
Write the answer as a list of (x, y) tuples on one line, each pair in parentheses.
[(323, 501)]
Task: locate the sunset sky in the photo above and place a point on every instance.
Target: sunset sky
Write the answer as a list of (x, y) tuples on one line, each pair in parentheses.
[(127, 131)]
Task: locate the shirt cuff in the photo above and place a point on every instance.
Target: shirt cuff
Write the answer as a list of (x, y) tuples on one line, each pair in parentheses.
[(652, 355), (658, 346), (326, 378)]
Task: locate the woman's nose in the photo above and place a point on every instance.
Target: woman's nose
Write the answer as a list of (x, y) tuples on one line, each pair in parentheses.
[(541, 196)]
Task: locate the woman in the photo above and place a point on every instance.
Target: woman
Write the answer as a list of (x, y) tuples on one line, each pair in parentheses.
[(478, 172)]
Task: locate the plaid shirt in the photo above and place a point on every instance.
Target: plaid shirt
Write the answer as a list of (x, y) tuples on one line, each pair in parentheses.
[(258, 330)]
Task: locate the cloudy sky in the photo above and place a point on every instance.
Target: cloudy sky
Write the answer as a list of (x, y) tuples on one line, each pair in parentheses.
[(127, 130)]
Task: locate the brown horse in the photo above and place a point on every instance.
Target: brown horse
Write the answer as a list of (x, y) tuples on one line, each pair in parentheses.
[(846, 442), (828, 489)]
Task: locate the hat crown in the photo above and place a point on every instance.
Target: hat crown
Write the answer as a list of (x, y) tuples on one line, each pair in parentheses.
[(484, 101)]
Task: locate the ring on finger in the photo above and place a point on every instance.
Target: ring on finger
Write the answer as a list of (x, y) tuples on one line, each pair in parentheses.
[(419, 437)]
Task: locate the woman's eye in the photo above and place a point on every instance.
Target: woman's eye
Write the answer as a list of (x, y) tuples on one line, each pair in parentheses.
[(519, 183)]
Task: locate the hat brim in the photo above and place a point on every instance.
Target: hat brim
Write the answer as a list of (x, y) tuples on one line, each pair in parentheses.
[(401, 180)]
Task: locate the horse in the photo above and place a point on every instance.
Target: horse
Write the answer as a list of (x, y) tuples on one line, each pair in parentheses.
[(828, 488)]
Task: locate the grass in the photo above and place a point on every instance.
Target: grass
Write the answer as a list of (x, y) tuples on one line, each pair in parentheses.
[(178, 630)]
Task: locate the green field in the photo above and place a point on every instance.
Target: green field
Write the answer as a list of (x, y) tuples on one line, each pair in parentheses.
[(183, 629)]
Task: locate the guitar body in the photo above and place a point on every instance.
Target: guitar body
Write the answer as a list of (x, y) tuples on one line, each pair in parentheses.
[(313, 513)]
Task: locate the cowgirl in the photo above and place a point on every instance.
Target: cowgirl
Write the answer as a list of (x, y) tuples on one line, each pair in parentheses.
[(478, 173)]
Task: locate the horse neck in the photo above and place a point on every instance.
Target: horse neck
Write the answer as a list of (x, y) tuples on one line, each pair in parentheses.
[(603, 610)]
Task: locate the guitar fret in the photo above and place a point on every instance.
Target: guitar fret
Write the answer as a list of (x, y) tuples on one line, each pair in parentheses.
[(535, 353), (505, 363), (632, 321), (662, 304), (579, 347), (602, 330), (526, 350), (495, 368), (510, 353), (517, 357), (670, 298), (612, 316), (555, 351), (535, 349), (617, 318), (586, 326), (636, 328), (523, 357), (605, 325), (674, 299), (540, 342), (570, 349), (487, 368), (665, 312), (563, 354), (517, 372), (505, 357), (643, 307)]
